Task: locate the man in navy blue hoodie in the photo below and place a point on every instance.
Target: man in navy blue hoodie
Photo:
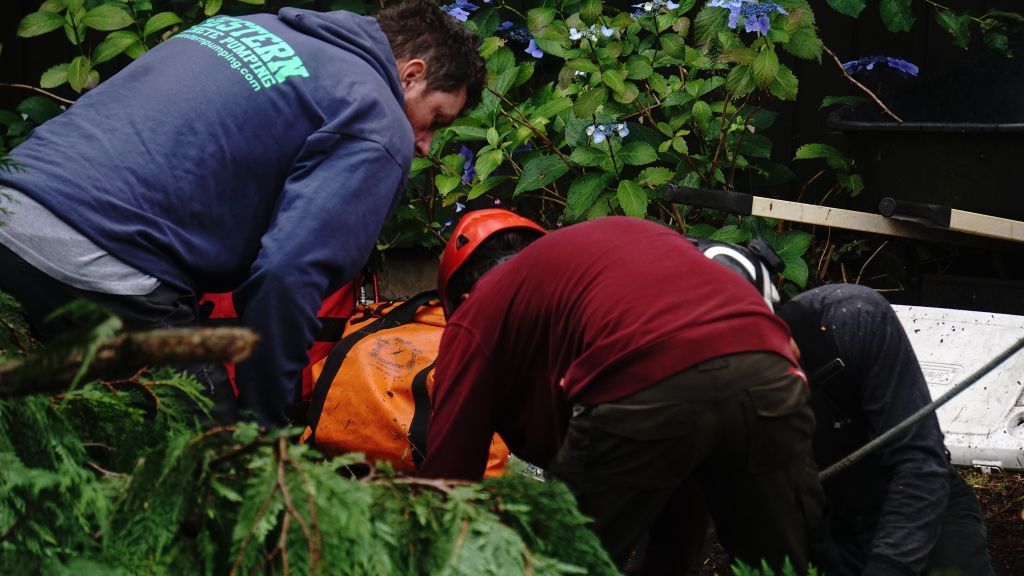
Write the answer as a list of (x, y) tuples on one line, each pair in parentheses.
[(257, 154)]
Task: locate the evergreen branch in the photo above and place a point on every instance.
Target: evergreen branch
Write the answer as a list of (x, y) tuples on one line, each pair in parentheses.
[(103, 471), (445, 486), (129, 351), (457, 548), (289, 506), (133, 380), (240, 556), (314, 521), (10, 529), (17, 336)]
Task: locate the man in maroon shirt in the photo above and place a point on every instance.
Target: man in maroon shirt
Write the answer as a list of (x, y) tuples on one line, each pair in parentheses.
[(624, 372)]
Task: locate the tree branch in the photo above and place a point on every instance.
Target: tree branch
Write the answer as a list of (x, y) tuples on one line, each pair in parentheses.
[(128, 352), (862, 87)]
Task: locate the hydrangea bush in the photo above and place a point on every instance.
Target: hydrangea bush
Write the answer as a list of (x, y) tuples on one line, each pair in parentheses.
[(591, 107)]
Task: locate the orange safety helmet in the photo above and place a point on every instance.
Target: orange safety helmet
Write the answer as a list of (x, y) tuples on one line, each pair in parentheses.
[(469, 233)]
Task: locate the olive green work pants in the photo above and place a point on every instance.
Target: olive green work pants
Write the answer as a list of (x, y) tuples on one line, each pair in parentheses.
[(738, 424)]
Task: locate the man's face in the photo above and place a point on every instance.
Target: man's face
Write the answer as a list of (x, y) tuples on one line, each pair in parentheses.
[(427, 110)]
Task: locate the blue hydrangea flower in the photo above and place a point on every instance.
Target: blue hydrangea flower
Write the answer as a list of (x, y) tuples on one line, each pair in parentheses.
[(600, 132), (533, 50), (497, 201), (755, 14), (459, 207), (868, 63), (521, 34), (461, 9), (468, 169), (654, 6), (590, 33)]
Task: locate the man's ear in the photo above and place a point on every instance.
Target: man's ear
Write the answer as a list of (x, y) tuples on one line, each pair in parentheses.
[(411, 71)]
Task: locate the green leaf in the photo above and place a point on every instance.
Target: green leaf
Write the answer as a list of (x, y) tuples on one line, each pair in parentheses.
[(637, 154), (587, 156), (853, 183), (78, 73), (52, 6), (632, 199), (160, 21), (254, 2), (898, 15), (55, 76), (614, 79), (851, 8), (505, 80), (998, 42), (584, 191), (673, 45), (500, 61), (39, 108), (958, 26), (740, 80), (628, 93), (556, 105), (212, 7), (766, 67), (707, 25), (804, 43), (38, 23), (834, 157), (446, 183), (582, 65), (420, 163), (107, 17), (756, 146), (539, 18), (791, 247), (730, 233), (588, 101), (487, 162), (540, 171), (591, 10), (114, 44), (638, 67), (785, 85), (701, 113), (655, 176), (829, 101), (481, 188), (469, 133), (136, 50)]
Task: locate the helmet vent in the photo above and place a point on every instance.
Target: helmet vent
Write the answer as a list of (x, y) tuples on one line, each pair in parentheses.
[(461, 241)]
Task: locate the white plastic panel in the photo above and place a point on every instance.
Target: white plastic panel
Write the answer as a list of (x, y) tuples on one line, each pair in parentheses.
[(984, 424)]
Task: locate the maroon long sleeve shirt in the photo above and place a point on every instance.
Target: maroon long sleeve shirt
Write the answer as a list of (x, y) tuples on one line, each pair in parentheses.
[(587, 314)]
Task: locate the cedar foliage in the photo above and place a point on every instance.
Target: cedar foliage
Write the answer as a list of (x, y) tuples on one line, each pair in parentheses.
[(121, 476)]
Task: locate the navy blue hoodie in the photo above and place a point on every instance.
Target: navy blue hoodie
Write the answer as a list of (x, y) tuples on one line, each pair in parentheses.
[(258, 154)]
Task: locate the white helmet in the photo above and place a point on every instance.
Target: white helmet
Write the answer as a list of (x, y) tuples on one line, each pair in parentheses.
[(757, 262)]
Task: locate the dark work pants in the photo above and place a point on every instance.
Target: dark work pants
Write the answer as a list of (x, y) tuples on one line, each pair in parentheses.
[(961, 548), (40, 295), (740, 424)]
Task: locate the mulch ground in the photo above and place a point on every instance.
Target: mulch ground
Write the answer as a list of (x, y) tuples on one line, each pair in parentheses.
[(1001, 495)]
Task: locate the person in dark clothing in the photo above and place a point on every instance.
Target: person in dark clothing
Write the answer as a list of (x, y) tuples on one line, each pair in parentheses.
[(904, 510), (257, 154), (623, 373)]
